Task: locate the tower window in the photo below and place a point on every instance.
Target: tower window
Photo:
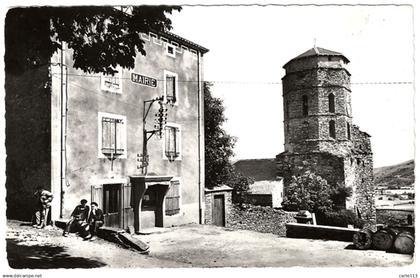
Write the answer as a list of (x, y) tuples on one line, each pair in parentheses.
[(332, 129), (305, 105), (348, 131), (287, 109), (331, 103)]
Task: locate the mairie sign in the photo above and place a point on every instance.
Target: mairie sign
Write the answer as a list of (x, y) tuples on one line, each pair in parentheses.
[(143, 80)]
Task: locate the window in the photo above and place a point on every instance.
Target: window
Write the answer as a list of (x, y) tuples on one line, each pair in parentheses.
[(348, 131), (111, 135), (331, 103), (287, 109), (332, 128), (170, 87), (170, 50), (172, 150), (112, 83), (173, 198), (305, 105)]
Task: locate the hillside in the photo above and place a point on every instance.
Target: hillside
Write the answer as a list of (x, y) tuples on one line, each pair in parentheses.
[(396, 175)]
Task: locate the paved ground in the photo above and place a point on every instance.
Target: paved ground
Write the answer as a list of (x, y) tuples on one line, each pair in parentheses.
[(186, 246)]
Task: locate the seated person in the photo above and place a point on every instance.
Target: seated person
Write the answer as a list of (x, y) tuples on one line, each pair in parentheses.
[(78, 216), (96, 219)]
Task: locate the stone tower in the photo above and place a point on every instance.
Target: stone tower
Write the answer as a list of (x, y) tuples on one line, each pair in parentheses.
[(319, 134)]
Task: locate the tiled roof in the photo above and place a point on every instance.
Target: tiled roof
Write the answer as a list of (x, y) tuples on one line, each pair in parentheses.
[(182, 40), (259, 169), (319, 51)]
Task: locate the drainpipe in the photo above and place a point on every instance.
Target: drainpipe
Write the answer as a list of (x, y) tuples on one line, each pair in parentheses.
[(63, 102), (200, 209)]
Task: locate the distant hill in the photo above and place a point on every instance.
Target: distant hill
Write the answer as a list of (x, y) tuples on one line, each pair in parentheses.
[(396, 175)]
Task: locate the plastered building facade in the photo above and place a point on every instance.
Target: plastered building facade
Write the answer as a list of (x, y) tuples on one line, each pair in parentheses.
[(91, 132)]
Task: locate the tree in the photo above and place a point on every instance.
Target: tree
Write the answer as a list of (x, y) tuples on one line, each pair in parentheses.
[(311, 192), (218, 144), (102, 37), (219, 149), (308, 192)]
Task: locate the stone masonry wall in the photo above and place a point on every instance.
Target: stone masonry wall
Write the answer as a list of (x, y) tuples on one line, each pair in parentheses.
[(260, 219), (347, 158), (209, 198), (362, 162), (326, 165), (394, 217)]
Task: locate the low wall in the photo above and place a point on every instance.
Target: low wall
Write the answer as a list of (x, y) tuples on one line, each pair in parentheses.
[(394, 216), (295, 230), (260, 219)]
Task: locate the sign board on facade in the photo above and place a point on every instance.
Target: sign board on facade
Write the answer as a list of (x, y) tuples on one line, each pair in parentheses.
[(143, 80)]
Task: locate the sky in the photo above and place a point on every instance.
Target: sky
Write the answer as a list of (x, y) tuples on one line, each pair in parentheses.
[(250, 44)]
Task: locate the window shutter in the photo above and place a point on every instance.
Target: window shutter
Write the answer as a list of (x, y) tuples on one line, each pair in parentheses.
[(172, 201), (106, 135), (177, 139), (167, 139), (170, 88), (170, 140), (127, 202), (97, 195), (120, 143)]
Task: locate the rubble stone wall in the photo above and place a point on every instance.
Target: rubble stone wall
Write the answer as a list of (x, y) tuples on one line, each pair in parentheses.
[(260, 219), (209, 200), (394, 217)]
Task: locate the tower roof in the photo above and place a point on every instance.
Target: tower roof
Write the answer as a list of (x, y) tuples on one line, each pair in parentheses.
[(318, 51)]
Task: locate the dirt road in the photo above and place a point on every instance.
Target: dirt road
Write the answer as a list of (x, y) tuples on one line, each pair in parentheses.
[(211, 246), (186, 246)]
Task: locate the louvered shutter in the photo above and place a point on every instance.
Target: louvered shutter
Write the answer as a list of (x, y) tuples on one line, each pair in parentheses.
[(120, 142), (177, 138), (172, 201), (106, 135), (97, 195), (170, 88)]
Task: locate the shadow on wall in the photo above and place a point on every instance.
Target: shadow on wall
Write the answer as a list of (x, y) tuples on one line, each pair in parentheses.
[(45, 257)]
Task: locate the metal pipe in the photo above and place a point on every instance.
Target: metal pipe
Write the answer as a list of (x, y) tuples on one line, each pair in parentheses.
[(200, 209), (63, 137), (63, 102)]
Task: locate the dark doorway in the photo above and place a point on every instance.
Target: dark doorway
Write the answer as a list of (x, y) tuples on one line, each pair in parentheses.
[(219, 210), (153, 201), (112, 205)]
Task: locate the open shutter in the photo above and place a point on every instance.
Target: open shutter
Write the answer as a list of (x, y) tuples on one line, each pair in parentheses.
[(177, 138), (127, 202), (97, 195), (106, 135), (120, 143), (169, 141), (170, 88), (172, 200)]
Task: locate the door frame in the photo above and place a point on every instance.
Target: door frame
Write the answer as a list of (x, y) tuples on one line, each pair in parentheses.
[(223, 209)]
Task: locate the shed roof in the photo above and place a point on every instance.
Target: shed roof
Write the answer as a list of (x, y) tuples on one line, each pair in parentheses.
[(318, 51), (259, 169)]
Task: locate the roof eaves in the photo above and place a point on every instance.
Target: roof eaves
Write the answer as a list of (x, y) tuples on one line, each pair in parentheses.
[(182, 40)]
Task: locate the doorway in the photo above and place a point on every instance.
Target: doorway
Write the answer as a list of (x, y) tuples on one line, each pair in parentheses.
[(112, 205), (152, 205), (218, 211)]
